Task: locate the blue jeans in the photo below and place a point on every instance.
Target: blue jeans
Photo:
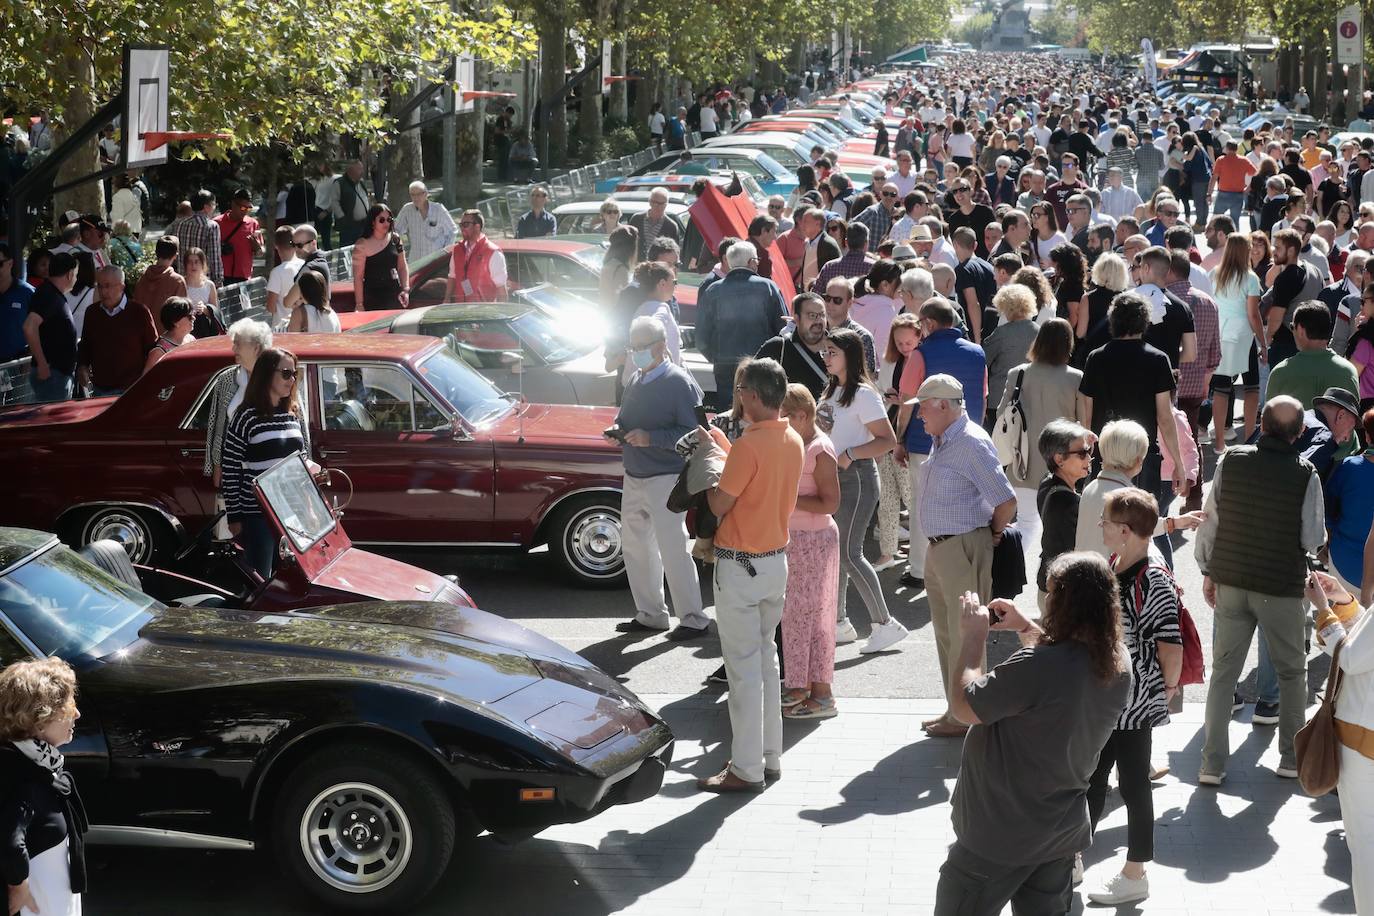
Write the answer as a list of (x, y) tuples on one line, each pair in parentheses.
[(58, 387), (1231, 202), (259, 543), (1199, 189)]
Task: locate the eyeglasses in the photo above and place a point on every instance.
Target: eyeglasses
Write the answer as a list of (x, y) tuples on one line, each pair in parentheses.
[(962, 190), (1075, 209), (1168, 213), (299, 245), (837, 300), (889, 193), (467, 222), (289, 374)]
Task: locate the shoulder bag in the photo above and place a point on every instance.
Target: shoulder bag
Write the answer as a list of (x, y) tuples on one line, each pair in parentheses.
[(1316, 743), (1010, 435)]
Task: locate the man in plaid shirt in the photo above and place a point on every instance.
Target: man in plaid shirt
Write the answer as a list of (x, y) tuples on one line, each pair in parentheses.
[(878, 217), (855, 261), (199, 231), (1193, 377)]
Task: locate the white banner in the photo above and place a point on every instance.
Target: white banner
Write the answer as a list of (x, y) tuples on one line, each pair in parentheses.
[(606, 71), (1349, 36), (1147, 51)]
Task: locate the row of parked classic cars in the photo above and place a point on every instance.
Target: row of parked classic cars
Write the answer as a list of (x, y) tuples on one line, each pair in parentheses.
[(354, 715)]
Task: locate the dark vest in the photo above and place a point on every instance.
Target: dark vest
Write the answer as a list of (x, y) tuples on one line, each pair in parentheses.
[(1258, 544), (947, 352)]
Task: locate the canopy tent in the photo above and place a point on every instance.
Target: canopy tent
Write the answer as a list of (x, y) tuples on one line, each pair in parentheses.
[(913, 55)]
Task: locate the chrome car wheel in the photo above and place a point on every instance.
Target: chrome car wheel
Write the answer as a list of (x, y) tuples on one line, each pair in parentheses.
[(595, 542), (125, 526), (356, 837)]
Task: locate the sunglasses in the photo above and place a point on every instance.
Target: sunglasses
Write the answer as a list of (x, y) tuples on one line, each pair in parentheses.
[(889, 193), (837, 300), (962, 190), (1080, 452), (384, 219), (467, 222), (299, 245), (288, 374)]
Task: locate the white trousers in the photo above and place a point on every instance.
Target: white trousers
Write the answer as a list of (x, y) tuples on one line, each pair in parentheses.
[(50, 883), (748, 611), (656, 545), (918, 545), (1356, 788), (1028, 523)]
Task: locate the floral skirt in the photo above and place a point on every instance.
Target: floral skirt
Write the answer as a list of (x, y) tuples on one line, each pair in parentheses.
[(808, 610)]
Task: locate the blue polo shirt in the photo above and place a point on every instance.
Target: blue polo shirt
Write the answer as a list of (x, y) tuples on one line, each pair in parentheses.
[(14, 308)]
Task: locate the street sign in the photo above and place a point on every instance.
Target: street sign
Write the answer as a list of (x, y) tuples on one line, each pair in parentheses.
[(1349, 36)]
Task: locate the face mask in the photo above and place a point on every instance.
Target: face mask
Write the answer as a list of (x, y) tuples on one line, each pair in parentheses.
[(643, 359)]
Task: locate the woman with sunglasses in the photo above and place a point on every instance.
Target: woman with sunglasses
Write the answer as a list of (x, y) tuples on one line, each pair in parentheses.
[(267, 428), (853, 415), (1067, 449), (380, 277)]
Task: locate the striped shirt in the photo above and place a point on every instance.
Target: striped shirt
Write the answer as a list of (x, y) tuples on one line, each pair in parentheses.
[(963, 481), (1194, 377), (252, 445), (199, 231), (1149, 616), (851, 265)]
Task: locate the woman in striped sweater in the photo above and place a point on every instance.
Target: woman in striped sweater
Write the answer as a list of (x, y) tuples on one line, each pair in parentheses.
[(266, 428)]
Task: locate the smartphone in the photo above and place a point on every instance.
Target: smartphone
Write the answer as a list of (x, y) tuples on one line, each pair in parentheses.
[(702, 420), (616, 433), (1314, 563)]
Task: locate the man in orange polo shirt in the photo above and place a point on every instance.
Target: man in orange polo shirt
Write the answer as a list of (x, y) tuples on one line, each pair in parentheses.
[(1230, 180), (754, 499)]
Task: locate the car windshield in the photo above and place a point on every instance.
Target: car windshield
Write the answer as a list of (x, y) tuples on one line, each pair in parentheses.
[(296, 501), (548, 341), (591, 257), (70, 608), (478, 400)]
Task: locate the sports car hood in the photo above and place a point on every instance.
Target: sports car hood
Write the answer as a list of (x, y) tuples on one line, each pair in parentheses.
[(556, 423), (466, 654)]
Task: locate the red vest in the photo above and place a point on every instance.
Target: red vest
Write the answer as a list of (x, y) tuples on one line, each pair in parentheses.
[(476, 268)]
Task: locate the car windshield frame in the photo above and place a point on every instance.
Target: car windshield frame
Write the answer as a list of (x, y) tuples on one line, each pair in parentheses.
[(36, 580), (536, 327), (442, 368), (291, 495), (593, 257)]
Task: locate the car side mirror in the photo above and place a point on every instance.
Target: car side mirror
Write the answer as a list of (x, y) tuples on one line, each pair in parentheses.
[(513, 361), (284, 551)]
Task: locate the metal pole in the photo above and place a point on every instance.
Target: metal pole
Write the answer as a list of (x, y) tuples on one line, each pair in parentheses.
[(451, 152)]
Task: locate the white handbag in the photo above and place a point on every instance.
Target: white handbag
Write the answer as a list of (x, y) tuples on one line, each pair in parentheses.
[(1010, 435)]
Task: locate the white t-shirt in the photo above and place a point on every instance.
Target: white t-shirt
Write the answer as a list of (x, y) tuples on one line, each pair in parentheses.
[(280, 281), (656, 123), (960, 145), (847, 427), (708, 119)]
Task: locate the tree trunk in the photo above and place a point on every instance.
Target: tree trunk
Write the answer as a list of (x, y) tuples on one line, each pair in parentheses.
[(552, 76), (78, 73), (469, 135), (405, 156), (1320, 92), (589, 114), (269, 224), (620, 55), (646, 93)]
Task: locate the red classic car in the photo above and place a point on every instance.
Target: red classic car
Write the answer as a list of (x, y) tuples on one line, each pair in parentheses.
[(570, 265), (438, 457)]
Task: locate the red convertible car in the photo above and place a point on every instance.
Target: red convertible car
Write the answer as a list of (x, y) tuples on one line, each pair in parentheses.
[(438, 456)]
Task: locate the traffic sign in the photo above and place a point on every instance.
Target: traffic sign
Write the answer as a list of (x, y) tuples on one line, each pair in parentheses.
[(1349, 36)]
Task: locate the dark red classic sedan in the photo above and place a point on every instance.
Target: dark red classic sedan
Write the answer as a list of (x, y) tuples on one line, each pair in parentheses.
[(438, 456)]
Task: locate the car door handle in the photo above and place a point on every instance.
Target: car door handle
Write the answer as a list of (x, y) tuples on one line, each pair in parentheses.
[(188, 452), (328, 452)]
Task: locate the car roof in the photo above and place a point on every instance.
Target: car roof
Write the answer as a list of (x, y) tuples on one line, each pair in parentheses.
[(309, 346), (547, 245), (18, 544)]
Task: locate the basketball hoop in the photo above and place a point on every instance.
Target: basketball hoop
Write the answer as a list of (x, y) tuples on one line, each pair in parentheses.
[(619, 79), (154, 139)]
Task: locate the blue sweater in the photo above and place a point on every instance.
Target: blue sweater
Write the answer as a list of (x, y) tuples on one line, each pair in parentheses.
[(664, 407)]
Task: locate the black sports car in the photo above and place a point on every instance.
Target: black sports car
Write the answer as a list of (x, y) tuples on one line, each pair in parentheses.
[(357, 741)]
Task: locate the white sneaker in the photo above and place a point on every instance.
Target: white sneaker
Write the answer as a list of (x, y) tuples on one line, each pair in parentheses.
[(902, 533), (1286, 770), (1205, 436), (1121, 889), (1210, 779), (884, 637), (1077, 869), (889, 563), (845, 632), (1231, 434)]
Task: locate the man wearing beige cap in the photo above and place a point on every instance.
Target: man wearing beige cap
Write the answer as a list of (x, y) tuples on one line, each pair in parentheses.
[(965, 503)]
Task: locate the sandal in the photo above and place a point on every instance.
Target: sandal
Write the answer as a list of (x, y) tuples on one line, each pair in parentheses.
[(812, 708), (794, 696)]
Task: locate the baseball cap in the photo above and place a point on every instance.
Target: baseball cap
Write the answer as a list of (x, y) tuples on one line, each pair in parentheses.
[(93, 221), (69, 217), (939, 386)]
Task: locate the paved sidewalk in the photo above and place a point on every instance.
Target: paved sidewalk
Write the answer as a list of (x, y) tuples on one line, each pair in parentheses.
[(858, 824)]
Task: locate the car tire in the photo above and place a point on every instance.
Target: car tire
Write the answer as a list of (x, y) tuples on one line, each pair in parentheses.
[(144, 538), (586, 538), (389, 804)]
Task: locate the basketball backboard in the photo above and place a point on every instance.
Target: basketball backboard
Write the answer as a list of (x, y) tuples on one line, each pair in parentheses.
[(465, 75), (145, 104)]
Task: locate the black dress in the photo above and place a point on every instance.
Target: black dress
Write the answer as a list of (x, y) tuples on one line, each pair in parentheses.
[(382, 277), (35, 817)]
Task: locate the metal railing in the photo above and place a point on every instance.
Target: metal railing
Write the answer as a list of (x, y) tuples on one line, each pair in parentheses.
[(14, 382)]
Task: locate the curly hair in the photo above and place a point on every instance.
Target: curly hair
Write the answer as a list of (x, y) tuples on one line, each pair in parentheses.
[(1084, 606), (33, 693)]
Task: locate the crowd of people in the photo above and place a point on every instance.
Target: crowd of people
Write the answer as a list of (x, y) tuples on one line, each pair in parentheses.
[(1010, 353), (1020, 342)]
